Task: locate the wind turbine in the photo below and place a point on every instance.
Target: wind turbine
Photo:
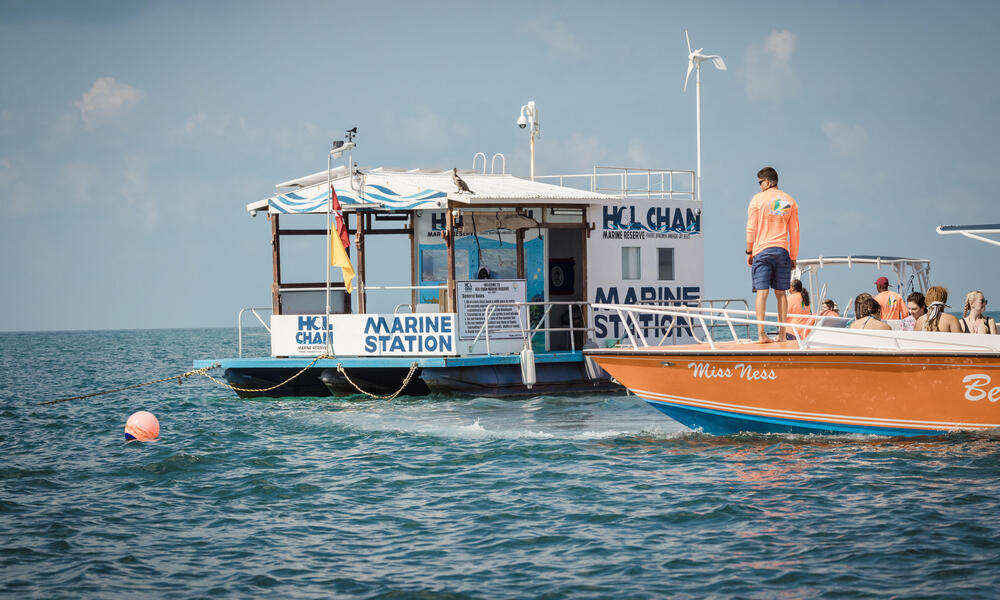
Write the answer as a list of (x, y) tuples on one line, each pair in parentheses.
[(695, 59)]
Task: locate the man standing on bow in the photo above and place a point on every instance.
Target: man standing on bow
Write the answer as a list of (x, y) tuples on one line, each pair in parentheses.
[(772, 245)]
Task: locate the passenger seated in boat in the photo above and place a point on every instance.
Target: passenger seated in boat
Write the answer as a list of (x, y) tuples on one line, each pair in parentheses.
[(973, 319), (936, 319), (916, 306), (867, 311), (798, 304), (857, 302), (829, 309)]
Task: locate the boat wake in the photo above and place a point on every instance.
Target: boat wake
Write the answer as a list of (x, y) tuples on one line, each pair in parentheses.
[(543, 418)]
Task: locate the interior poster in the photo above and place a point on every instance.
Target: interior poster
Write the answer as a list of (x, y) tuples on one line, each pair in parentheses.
[(496, 250)]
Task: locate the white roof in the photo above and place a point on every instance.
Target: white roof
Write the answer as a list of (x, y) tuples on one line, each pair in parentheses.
[(396, 189), (973, 231), (861, 259)]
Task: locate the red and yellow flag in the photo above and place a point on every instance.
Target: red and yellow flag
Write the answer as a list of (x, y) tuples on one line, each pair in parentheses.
[(339, 242)]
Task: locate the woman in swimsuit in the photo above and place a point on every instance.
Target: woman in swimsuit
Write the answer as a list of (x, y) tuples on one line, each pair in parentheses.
[(936, 319), (868, 311), (973, 320)]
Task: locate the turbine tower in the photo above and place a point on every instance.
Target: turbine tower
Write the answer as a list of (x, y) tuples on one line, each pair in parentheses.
[(695, 59)]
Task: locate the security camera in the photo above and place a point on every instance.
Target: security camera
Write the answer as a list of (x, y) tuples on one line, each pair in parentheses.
[(253, 213), (522, 122)]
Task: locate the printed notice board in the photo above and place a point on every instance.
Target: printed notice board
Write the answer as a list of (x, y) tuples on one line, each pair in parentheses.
[(473, 298)]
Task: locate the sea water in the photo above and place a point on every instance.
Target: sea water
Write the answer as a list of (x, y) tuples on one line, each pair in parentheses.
[(435, 497)]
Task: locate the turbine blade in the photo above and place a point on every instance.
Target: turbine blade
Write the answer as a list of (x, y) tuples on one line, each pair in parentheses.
[(690, 66), (688, 40)]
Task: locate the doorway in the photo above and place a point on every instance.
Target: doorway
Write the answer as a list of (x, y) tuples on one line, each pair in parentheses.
[(566, 283)]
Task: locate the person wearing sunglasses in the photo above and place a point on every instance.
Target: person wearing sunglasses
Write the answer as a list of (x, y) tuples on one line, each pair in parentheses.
[(772, 246), (973, 320)]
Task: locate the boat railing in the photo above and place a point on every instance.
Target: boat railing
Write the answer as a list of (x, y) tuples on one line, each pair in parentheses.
[(540, 324), (628, 313), (239, 323), (528, 331), (629, 182), (711, 302)]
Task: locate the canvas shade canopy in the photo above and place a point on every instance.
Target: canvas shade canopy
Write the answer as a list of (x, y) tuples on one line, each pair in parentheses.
[(390, 189)]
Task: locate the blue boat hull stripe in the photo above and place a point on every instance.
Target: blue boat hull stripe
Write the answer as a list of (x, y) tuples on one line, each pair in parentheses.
[(739, 410)]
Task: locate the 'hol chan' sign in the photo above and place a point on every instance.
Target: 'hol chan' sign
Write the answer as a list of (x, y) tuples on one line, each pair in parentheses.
[(407, 334)]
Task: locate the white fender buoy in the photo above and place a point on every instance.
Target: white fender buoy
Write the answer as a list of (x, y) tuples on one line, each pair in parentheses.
[(594, 370), (528, 366)]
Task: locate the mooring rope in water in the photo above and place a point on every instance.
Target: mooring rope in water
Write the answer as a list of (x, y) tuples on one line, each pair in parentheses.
[(406, 382), (202, 371), (180, 379), (273, 387)]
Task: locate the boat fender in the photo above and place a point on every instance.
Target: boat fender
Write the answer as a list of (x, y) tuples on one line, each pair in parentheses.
[(594, 370), (528, 367)]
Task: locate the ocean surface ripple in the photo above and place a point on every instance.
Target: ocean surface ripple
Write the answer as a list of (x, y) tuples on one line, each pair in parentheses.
[(454, 498)]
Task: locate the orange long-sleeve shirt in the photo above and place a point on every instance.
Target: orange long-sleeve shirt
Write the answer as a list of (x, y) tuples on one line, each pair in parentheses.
[(773, 222)]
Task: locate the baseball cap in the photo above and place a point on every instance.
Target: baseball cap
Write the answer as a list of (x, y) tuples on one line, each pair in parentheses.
[(882, 281)]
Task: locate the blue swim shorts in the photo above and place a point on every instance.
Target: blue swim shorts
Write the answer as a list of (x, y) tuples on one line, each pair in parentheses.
[(771, 268)]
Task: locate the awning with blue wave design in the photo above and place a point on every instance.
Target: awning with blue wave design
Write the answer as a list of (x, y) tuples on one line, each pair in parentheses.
[(386, 189)]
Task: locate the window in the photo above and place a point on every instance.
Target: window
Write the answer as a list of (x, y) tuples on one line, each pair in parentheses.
[(631, 267), (434, 264), (665, 263)]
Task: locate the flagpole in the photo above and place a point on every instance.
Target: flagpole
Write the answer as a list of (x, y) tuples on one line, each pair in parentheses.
[(329, 249)]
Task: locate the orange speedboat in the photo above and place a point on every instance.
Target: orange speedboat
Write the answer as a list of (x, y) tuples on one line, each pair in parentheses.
[(833, 380)]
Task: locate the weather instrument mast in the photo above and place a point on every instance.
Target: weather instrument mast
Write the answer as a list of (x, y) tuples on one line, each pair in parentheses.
[(695, 59)]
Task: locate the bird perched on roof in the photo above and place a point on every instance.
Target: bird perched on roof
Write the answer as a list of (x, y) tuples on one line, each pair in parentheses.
[(462, 186)]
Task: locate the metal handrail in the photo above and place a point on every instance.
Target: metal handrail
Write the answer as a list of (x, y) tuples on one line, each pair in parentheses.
[(405, 287), (595, 182), (239, 325), (699, 302), (528, 332), (724, 315)]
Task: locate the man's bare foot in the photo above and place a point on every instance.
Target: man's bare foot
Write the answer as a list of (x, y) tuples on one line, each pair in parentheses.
[(764, 340)]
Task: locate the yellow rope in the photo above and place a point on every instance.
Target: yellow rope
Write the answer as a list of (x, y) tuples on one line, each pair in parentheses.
[(202, 371), (273, 387), (179, 379), (406, 382)]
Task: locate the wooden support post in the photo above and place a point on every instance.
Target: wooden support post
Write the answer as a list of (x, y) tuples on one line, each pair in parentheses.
[(275, 264), (519, 237), (361, 225), (414, 273), (449, 231)]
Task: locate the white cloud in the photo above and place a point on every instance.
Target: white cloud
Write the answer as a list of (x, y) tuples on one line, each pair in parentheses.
[(427, 129), (105, 99), (638, 156), (15, 196), (135, 189), (193, 122), (7, 174), (79, 177), (558, 39), (578, 154), (844, 138), (768, 74)]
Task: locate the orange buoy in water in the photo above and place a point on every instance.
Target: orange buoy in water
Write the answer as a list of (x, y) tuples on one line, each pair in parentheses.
[(142, 426)]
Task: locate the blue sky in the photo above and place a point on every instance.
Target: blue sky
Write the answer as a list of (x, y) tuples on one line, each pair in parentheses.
[(132, 135)]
